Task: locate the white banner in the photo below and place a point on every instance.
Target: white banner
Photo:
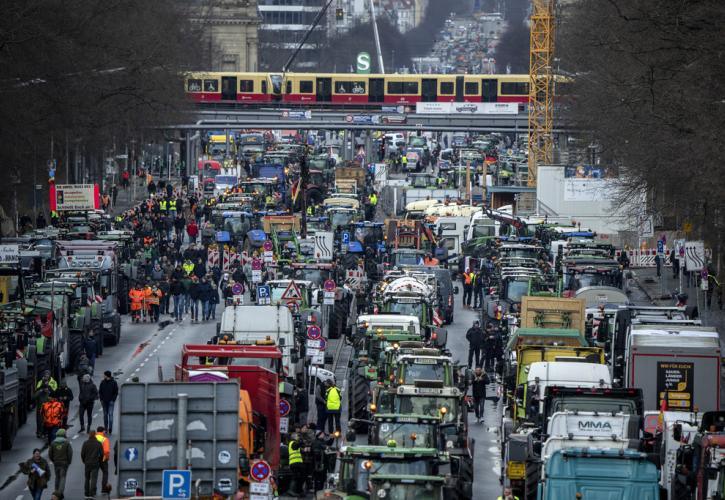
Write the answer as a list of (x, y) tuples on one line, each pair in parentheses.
[(9, 254), (75, 197), (458, 108), (586, 190)]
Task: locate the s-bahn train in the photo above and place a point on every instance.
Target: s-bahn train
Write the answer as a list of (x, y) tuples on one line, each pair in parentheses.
[(353, 89)]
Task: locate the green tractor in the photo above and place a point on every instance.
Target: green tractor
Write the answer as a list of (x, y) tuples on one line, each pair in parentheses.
[(367, 472)]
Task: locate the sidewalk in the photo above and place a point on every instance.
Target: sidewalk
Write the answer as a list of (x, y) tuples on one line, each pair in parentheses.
[(659, 289)]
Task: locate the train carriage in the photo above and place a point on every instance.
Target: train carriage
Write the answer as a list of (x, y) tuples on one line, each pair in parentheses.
[(351, 89)]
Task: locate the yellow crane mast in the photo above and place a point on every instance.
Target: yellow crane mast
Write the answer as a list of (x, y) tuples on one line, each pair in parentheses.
[(541, 88)]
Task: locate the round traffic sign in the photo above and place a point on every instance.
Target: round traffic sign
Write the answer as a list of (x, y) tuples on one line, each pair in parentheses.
[(323, 344), (267, 245), (329, 285), (260, 470), (256, 265), (293, 306), (237, 289), (314, 332), (284, 407)]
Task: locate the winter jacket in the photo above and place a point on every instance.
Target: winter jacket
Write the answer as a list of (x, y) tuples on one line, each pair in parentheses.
[(474, 335), (176, 288), (205, 292), (92, 451), (60, 451), (478, 386), (88, 392), (195, 291), (35, 481), (108, 390)]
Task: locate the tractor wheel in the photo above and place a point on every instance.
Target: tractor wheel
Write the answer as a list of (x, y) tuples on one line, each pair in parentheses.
[(358, 400), (75, 349)]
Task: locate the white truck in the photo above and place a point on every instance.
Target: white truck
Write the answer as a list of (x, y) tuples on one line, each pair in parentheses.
[(543, 374), (265, 325)]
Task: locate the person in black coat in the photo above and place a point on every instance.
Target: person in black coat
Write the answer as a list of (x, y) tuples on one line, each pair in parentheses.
[(474, 335), (194, 297), (176, 290), (205, 295), (478, 389)]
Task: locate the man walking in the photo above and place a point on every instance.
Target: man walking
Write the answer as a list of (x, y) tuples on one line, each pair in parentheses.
[(107, 393), (474, 335), (478, 387), (92, 457), (38, 472), (106, 445), (64, 394), (52, 417), (60, 454), (333, 405), (86, 397), (43, 389), (468, 278)]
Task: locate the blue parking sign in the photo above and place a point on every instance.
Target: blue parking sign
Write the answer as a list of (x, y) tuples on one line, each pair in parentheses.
[(345, 238), (176, 484), (264, 294), (660, 247)]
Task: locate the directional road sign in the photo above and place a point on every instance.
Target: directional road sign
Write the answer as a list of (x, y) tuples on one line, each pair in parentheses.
[(329, 285), (260, 470), (314, 332), (176, 484)]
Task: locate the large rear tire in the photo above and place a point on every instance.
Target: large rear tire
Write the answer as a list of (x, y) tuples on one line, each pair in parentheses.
[(358, 401), (75, 348), (9, 426)]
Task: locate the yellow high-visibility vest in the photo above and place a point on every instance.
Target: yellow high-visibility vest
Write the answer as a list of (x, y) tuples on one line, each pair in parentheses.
[(333, 399), (295, 456)]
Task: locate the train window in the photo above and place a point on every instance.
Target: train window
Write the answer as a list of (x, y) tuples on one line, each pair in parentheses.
[(471, 88), (289, 87), (350, 87), (515, 88), (447, 88), (306, 87), (395, 87), (410, 88), (211, 85), (246, 86), (193, 85)]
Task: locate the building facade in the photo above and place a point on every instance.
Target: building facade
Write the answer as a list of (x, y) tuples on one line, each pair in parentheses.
[(231, 34)]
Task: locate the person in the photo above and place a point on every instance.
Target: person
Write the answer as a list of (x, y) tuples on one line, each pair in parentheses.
[(137, 296), (478, 289), (38, 472), (91, 347), (508, 495), (194, 295), (92, 457), (87, 396), (658, 263), (52, 411), (478, 388), (114, 194), (154, 301), (40, 222), (430, 261), (294, 450), (60, 454), (106, 444), (468, 278), (321, 405), (490, 347), (319, 471), (192, 229), (107, 393), (474, 336), (333, 405), (675, 264), (64, 394), (43, 389), (177, 292), (205, 296)]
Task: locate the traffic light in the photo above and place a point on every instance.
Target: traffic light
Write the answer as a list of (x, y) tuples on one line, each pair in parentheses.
[(339, 14)]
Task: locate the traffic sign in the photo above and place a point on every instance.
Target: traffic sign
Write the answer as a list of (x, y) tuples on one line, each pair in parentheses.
[(345, 238), (264, 294), (256, 264), (268, 246), (284, 407), (314, 332), (329, 285), (131, 454), (260, 470), (294, 307), (660, 247), (176, 484), (292, 292), (256, 276), (316, 344), (237, 289)]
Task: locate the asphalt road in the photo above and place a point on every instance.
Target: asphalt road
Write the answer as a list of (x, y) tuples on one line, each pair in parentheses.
[(143, 349)]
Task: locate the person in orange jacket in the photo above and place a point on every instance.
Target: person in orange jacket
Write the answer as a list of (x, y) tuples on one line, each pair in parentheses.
[(106, 443), (154, 300), (147, 302), (136, 295)]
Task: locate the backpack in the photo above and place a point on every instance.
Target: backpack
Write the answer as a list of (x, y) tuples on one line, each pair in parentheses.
[(53, 413)]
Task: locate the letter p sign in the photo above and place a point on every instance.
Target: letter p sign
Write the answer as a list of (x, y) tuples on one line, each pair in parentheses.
[(176, 484)]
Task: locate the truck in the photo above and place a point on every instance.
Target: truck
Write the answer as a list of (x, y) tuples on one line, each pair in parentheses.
[(258, 369), (589, 473), (677, 365), (700, 469)]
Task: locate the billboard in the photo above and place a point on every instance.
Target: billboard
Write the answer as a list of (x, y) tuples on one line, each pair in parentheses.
[(74, 197), (467, 108)]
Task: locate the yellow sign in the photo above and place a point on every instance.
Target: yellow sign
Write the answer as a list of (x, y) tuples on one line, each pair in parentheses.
[(517, 470), (687, 227)]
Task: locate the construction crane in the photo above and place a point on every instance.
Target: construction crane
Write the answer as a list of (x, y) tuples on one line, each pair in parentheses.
[(541, 86)]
